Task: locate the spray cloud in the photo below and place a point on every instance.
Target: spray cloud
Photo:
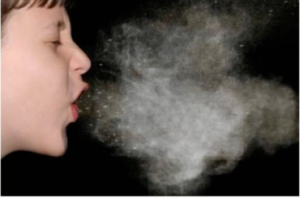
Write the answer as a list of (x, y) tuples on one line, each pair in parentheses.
[(180, 102)]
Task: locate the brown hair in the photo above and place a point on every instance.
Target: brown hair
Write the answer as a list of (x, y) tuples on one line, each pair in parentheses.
[(8, 5)]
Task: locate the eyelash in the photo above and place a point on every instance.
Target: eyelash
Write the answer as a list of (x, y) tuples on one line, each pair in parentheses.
[(56, 42)]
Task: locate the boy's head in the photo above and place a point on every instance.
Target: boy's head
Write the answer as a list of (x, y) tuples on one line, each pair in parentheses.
[(41, 76)]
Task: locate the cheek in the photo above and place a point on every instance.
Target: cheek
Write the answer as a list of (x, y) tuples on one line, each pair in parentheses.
[(35, 84), (42, 76)]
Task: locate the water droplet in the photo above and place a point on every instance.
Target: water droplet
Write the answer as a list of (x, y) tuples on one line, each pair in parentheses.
[(105, 106), (241, 45), (88, 96), (101, 64)]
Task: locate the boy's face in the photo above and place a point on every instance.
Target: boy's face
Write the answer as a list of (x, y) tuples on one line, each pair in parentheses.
[(41, 78)]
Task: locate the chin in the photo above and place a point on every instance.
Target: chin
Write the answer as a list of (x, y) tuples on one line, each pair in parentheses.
[(56, 151), (56, 147)]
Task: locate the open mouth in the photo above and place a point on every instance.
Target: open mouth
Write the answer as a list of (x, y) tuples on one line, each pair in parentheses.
[(74, 111)]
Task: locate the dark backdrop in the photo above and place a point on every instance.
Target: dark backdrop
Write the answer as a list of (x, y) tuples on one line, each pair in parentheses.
[(89, 168)]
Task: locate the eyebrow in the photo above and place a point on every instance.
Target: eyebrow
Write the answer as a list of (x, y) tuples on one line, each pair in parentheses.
[(57, 24)]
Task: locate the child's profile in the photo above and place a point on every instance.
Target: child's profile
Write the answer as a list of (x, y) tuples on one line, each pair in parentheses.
[(41, 76)]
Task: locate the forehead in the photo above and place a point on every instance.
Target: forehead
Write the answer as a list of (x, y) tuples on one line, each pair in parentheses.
[(41, 17)]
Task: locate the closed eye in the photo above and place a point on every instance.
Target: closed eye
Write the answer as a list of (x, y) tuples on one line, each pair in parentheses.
[(57, 42)]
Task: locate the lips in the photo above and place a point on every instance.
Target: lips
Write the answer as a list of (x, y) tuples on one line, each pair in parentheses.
[(74, 106), (74, 111)]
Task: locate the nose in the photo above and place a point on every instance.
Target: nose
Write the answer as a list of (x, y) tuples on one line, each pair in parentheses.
[(80, 61)]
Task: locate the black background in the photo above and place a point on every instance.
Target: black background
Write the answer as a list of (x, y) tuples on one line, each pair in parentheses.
[(89, 168)]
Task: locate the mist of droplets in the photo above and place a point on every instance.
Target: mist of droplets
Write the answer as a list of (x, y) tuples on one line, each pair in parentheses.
[(181, 105)]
